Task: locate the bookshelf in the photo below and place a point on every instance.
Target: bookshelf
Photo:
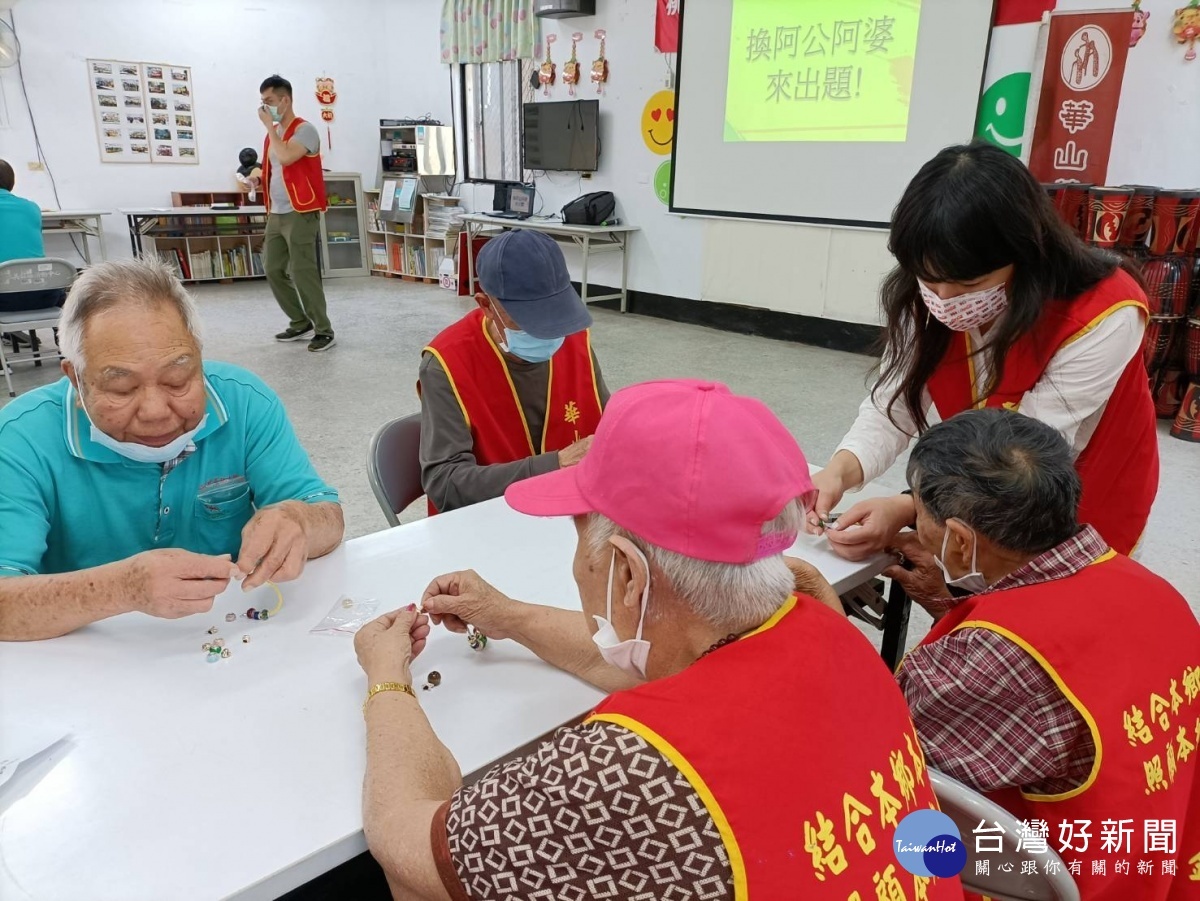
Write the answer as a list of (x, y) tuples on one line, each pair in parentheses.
[(216, 236), (404, 249), (201, 243)]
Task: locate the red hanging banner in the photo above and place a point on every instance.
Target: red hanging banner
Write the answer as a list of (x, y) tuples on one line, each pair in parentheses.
[(1014, 12), (666, 26), (1081, 86)]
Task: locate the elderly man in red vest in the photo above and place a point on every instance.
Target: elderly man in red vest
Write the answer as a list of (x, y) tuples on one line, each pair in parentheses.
[(513, 389), (294, 193), (1060, 677), (753, 744)]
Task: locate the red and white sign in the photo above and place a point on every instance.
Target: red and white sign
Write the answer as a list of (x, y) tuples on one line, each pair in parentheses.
[(1081, 86), (666, 26)]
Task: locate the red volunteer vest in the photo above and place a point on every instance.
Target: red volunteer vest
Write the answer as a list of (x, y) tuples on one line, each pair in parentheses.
[(488, 398), (304, 180), (799, 743), (1124, 648), (1119, 466)]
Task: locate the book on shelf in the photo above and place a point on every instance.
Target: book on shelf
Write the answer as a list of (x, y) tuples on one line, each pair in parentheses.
[(397, 250), (379, 259)]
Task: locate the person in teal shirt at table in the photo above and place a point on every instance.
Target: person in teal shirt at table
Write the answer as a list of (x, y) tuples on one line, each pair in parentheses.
[(147, 479), (21, 239)]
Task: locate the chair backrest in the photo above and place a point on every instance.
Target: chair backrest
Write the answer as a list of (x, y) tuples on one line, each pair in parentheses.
[(394, 465), (35, 275), (1008, 878)]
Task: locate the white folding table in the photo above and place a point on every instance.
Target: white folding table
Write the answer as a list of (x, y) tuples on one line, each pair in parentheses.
[(77, 222), (589, 239), (242, 779)]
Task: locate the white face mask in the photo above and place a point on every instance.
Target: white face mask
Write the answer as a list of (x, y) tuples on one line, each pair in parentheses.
[(630, 655), (966, 311), (142, 453), (974, 582)]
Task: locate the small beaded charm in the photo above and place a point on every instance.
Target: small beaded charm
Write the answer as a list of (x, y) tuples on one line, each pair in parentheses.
[(245, 639), (435, 678), (230, 617), (264, 613), (219, 643), (225, 652), (476, 639), (212, 631), (252, 613), (207, 646)]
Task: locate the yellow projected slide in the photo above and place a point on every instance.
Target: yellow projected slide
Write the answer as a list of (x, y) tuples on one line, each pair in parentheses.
[(821, 70)]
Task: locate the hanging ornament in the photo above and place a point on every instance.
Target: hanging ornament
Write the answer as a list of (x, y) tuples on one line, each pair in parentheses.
[(600, 66), (546, 70), (570, 75), (326, 94), (1187, 27), (326, 91), (1140, 18)]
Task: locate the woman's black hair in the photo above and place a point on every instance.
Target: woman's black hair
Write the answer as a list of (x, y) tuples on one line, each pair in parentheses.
[(971, 210)]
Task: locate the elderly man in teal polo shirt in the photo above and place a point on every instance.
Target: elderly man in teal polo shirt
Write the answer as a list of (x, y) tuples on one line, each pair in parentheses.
[(146, 479)]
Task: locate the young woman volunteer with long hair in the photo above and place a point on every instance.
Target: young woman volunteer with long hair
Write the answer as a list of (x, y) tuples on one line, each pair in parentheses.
[(995, 302)]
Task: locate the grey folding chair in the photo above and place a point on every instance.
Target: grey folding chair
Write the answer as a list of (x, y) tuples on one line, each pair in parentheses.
[(394, 465), (31, 275), (1005, 880)]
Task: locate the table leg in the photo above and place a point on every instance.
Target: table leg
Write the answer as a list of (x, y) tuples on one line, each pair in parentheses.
[(470, 270), (587, 253), (100, 238), (895, 625), (624, 241), (84, 236), (134, 244)]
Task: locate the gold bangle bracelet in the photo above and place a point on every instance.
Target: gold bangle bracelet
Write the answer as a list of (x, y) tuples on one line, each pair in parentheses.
[(387, 686)]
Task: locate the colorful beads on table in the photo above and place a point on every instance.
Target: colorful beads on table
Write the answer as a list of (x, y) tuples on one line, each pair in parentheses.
[(264, 613), (258, 614), (251, 613), (476, 639), (435, 678)]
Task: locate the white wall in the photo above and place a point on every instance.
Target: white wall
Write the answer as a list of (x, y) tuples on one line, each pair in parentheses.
[(832, 273), (382, 53)]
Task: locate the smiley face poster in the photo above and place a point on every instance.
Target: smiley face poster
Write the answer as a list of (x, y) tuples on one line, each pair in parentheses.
[(658, 122)]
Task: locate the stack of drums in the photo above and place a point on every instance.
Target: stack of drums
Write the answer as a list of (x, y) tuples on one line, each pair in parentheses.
[(1170, 275), (1158, 229)]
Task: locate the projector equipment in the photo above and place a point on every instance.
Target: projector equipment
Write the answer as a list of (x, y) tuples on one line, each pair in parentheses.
[(564, 9)]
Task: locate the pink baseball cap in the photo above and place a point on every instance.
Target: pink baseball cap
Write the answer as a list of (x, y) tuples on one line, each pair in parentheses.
[(688, 466)]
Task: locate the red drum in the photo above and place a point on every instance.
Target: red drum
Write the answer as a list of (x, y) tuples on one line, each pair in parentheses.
[(1188, 231), (1106, 217), (1191, 360), (1137, 220), (1167, 282), (1187, 423), (1074, 209), (1173, 222), (1160, 331)]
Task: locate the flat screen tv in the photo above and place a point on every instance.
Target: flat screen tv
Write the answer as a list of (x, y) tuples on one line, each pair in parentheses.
[(563, 135)]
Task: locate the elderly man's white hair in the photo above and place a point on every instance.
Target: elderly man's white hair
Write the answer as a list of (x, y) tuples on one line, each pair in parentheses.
[(147, 283), (725, 594)]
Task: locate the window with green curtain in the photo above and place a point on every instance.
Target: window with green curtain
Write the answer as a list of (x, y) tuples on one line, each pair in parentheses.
[(486, 31)]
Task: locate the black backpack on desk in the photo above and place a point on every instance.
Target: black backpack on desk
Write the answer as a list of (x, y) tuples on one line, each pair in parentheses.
[(590, 209)]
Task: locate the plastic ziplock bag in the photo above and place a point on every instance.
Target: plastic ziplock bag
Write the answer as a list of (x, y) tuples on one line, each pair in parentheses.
[(346, 616)]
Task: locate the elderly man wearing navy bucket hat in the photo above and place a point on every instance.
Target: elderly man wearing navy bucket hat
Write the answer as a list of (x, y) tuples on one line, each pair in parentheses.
[(513, 389)]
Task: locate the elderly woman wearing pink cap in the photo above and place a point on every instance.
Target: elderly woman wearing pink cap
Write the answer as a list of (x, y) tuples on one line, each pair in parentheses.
[(730, 760)]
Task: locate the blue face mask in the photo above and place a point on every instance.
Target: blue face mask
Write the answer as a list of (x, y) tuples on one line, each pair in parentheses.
[(142, 453), (528, 348)]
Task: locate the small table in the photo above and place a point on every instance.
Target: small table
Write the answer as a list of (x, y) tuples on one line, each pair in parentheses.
[(242, 779), (76, 222), (588, 238)]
